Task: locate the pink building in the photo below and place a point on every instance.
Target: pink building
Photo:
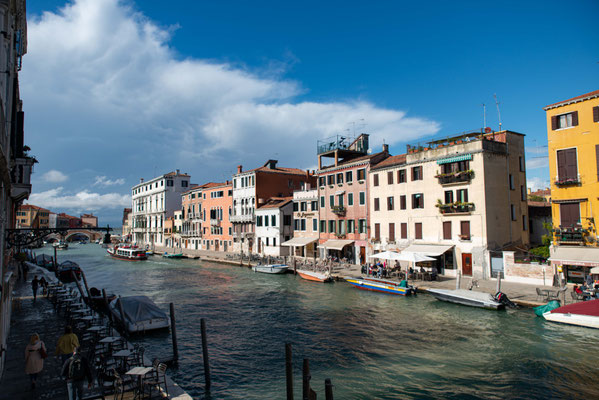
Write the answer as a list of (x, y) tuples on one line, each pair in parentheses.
[(343, 196)]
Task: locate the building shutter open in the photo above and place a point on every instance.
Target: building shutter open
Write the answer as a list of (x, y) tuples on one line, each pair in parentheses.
[(553, 123), (596, 114), (575, 118)]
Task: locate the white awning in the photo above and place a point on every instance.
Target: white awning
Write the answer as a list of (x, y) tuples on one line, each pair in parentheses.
[(433, 250), (338, 192), (300, 241), (333, 244), (587, 257)]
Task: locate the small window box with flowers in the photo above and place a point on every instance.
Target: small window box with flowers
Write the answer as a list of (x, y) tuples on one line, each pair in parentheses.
[(568, 180)]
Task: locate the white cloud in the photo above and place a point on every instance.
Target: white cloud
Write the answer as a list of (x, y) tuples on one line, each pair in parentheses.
[(537, 183), (537, 162), (54, 176), (107, 76), (83, 200), (104, 181)]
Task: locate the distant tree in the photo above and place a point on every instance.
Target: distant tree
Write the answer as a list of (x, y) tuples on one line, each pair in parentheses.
[(534, 197)]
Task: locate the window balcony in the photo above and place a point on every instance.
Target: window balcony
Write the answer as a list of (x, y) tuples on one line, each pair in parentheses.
[(455, 177), (339, 210), (242, 218), (567, 181), (571, 235), (455, 208), (214, 222)]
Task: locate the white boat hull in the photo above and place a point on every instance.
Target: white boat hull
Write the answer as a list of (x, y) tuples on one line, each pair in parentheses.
[(588, 321), (271, 269), (467, 298)]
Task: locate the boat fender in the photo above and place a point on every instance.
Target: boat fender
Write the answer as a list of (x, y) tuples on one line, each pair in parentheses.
[(503, 299)]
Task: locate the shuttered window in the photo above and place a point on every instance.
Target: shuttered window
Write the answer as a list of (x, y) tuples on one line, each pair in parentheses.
[(596, 114), (404, 230), (465, 229), (564, 121), (401, 176), (377, 231), (375, 179), (390, 177), (390, 203), (447, 230), (567, 167), (391, 232), (376, 204), (597, 159), (418, 230), (569, 214), (402, 198)]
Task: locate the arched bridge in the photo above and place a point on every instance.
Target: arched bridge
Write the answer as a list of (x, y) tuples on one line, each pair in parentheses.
[(91, 235)]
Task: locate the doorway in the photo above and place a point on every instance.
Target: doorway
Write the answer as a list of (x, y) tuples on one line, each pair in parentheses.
[(467, 264)]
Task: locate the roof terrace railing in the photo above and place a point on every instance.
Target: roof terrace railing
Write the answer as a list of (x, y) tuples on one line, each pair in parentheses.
[(339, 142)]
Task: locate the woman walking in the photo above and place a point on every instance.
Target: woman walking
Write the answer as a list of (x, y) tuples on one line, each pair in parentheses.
[(35, 352)]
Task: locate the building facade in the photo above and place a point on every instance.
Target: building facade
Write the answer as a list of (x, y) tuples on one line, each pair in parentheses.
[(274, 226), (152, 202), (191, 214), (305, 224), (455, 200), (30, 216), (573, 146), (89, 220), (217, 204), (126, 224)]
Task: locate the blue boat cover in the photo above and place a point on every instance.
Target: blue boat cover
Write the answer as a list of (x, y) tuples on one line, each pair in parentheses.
[(138, 309)]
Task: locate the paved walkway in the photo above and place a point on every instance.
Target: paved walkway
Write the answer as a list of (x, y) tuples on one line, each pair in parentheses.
[(30, 317)]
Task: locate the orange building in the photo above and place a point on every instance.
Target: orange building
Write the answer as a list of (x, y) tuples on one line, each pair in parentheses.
[(217, 204), (30, 216)]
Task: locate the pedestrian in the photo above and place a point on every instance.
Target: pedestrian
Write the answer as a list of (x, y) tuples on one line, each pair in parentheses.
[(76, 370), (67, 343), (44, 285), (34, 285), (35, 352)]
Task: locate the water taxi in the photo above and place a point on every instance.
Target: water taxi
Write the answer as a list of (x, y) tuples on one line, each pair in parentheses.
[(127, 252), (314, 276)]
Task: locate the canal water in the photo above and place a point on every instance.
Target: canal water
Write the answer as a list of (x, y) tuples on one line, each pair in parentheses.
[(372, 346)]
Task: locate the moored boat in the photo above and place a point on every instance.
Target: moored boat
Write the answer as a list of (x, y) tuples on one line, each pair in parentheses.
[(45, 261), (127, 252), (140, 314), (61, 245), (65, 270), (585, 313), (172, 255), (271, 268), (314, 276), (381, 285), (467, 298)]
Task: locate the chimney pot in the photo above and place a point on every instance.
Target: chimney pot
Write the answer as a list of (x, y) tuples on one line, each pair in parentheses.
[(141, 180), (239, 169), (177, 172), (385, 148)]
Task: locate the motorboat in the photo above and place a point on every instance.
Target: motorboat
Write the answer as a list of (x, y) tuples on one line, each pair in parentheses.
[(127, 252), (468, 298), (140, 314), (65, 271), (172, 255), (45, 261), (97, 299), (314, 275), (61, 245), (584, 313), (271, 268), (382, 285)]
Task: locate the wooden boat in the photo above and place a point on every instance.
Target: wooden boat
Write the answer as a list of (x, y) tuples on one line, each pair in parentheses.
[(140, 314), (381, 285), (149, 252), (314, 276), (585, 313), (65, 269), (467, 298), (127, 252), (176, 255), (45, 261), (271, 268)]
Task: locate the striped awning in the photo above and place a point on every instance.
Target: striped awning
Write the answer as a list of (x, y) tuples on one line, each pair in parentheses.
[(462, 157)]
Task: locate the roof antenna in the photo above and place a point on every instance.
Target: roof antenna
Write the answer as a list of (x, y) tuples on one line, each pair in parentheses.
[(484, 116), (498, 113)]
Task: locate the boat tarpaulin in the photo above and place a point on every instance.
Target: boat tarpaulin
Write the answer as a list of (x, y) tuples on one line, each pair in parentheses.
[(333, 244), (588, 257), (138, 308), (590, 307), (432, 250), (300, 241)]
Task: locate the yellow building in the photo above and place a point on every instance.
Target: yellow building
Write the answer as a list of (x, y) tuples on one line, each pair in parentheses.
[(30, 216), (573, 144)]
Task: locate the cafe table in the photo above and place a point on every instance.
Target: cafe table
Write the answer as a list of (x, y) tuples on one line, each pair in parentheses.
[(139, 372)]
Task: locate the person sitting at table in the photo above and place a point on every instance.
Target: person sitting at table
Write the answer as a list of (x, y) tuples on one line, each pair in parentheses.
[(422, 269), (576, 289)]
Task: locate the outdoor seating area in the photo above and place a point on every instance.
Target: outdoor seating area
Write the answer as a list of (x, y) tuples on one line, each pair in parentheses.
[(120, 369)]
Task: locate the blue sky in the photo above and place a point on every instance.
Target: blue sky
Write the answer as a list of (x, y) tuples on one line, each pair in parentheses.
[(114, 91)]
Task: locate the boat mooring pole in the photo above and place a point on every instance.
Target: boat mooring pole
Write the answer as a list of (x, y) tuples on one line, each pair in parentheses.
[(458, 279), (55, 259), (498, 282), (78, 285), (89, 296), (328, 389), (205, 353), (306, 380), (106, 304), (289, 371), (174, 333)]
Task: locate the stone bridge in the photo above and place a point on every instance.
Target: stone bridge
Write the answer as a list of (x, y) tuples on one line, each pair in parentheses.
[(91, 235)]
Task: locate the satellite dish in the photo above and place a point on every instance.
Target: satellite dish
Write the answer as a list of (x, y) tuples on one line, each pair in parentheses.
[(488, 130)]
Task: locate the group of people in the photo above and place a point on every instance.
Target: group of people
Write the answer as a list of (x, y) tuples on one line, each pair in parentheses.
[(75, 367), (377, 269), (36, 283), (588, 291)]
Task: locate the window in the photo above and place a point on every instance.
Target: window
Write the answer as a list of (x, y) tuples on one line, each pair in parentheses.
[(169, 182), (596, 114), (377, 231), (569, 214), (267, 241), (375, 178), (351, 226), (331, 226), (340, 200), (273, 220), (362, 198), (331, 179), (302, 224), (314, 205), (465, 230), (323, 226), (447, 230), (417, 173), (390, 203), (521, 162), (361, 174), (462, 195), (401, 176), (418, 200), (304, 206), (287, 220), (266, 220), (564, 121), (448, 196), (340, 177), (183, 183), (567, 165), (402, 202), (259, 220), (341, 227), (524, 222), (404, 230), (314, 225), (376, 204), (350, 199), (362, 226), (295, 206), (331, 200), (321, 201), (390, 178), (391, 232), (321, 181), (296, 224), (511, 179), (513, 212), (522, 193), (348, 176), (418, 230)]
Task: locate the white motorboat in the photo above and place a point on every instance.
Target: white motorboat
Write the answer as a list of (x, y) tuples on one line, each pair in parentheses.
[(467, 298), (271, 268), (141, 314), (314, 276), (585, 313)]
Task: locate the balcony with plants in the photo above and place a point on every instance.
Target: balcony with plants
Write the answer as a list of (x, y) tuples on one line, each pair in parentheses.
[(576, 235), (455, 177), (567, 180), (339, 210), (457, 207)]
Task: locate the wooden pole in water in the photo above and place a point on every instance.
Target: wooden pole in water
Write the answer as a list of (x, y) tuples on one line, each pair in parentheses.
[(306, 380), (78, 285), (205, 353), (106, 304), (498, 282), (174, 333), (328, 389), (89, 296), (289, 371), (294, 266), (458, 279), (55, 259)]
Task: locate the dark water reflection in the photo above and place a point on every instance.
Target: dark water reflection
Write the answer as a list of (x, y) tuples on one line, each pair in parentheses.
[(370, 345)]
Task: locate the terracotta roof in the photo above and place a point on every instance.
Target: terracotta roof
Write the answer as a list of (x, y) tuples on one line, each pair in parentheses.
[(541, 192), (31, 207), (174, 173), (582, 97), (354, 160), (539, 204), (276, 202), (277, 170), (393, 160)]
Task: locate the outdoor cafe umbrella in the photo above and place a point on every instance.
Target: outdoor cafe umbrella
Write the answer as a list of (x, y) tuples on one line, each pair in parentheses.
[(386, 255), (413, 258)]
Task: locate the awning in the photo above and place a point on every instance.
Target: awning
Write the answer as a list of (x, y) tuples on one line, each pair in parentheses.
[(568, 201), (338, 192), (587, 257), (462, 157), (428, 249), (333, 244), (300, 241)]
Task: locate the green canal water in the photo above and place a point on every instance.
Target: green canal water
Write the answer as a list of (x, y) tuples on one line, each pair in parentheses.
[(372, 346)]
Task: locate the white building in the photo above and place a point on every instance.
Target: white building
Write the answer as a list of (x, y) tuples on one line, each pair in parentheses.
[(152, 202), (273, 226), (305, 224)]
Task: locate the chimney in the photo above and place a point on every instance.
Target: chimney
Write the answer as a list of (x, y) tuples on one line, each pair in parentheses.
[(141, 180), (239, 169), (272, 164), (177, 172), (385, 148)]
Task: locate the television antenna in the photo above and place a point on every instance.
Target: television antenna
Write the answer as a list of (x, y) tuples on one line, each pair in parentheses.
[(498, 112), (484, 115)]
